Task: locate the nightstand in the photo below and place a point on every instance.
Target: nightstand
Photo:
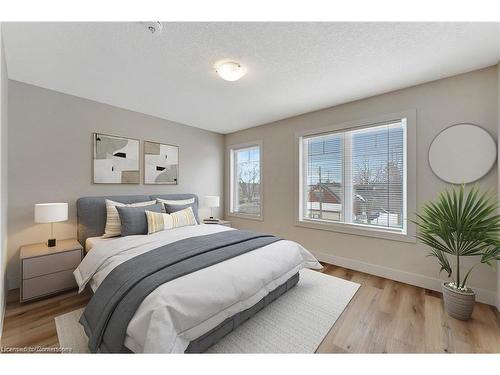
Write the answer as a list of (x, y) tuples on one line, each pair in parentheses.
[(48, 270), (220, 222)]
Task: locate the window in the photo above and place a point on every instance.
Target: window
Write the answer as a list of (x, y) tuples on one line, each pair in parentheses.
[(246, 181), (356, 178)]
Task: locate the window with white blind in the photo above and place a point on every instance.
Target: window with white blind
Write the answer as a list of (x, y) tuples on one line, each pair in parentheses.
[(356, 177), (246, 181)]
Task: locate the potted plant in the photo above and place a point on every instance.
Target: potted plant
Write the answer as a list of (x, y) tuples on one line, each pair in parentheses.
[(460, 224)]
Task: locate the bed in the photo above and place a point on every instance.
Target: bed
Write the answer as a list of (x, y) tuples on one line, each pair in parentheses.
[(189, 313)]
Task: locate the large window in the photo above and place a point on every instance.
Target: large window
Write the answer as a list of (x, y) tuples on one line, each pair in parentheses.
[(246, 181), (356, 178)]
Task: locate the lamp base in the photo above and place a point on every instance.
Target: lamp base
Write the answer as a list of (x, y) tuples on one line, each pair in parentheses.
[(51, 242)]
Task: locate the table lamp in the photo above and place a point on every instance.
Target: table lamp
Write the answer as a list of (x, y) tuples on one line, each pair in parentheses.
[(51, 213), (212, 201)]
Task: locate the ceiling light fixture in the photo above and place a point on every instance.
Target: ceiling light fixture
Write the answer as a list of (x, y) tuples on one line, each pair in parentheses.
[(230, 70)]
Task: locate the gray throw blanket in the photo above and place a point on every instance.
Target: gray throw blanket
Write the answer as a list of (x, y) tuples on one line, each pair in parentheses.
[(115, 302)]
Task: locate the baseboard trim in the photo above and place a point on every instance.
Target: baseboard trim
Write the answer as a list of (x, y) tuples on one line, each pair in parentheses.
[(482, 295)]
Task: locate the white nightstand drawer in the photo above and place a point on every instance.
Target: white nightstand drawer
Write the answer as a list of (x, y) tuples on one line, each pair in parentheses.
[(47, 284), (42, 265)]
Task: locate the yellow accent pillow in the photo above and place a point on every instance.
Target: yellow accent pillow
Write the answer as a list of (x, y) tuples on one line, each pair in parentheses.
[(158, 221)]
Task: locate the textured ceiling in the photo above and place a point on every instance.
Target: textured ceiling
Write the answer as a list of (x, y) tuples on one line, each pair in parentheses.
[(293, 68)]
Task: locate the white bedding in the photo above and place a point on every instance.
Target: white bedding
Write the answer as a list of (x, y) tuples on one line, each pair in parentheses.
[(185, 308), (91, 242)]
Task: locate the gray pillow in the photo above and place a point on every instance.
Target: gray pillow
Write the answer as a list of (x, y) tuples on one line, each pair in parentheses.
[(171, 208), (134, 220)]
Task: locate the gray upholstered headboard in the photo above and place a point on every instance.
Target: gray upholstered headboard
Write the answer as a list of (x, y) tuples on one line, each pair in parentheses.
[(91, 211)]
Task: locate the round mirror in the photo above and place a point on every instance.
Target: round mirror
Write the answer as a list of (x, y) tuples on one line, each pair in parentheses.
[(462, 153)]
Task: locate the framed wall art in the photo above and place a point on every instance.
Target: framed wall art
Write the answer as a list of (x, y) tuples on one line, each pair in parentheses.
[(161, 163), (115, 160)]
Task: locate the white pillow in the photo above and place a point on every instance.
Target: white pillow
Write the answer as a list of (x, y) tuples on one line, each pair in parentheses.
[(173, 202), (113, 222), (158, 221)]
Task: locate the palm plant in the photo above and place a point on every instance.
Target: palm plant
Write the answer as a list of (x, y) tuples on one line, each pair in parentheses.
[(461, 224)]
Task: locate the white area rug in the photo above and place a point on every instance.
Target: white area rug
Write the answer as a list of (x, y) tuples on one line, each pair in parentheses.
[(296, 322)]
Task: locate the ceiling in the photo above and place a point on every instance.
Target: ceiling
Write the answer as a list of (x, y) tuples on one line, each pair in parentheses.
[(293, 68)]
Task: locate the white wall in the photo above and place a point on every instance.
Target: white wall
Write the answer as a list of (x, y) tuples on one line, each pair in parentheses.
[(470, 97), (3, 184), (50, 153)]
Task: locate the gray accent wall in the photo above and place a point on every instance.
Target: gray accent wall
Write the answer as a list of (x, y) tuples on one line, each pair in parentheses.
[(3, 184), (50, 159), (470, 97)]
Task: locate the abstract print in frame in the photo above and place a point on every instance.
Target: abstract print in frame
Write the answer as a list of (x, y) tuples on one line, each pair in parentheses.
[(161, 163), (116, 160)]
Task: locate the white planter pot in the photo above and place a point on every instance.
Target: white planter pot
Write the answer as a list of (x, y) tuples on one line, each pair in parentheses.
[(459, 305)]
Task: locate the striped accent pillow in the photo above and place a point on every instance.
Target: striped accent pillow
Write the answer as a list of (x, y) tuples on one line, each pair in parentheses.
[(159, 221), (113, 223)]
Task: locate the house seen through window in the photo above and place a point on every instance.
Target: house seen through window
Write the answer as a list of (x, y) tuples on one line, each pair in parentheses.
[(356, 177)]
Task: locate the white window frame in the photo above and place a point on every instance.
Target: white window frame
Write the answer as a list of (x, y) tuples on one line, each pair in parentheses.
[(409, 197), (231, 151)]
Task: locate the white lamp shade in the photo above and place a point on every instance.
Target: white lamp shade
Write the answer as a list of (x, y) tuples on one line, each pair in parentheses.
[(212, 201), (51, 212)]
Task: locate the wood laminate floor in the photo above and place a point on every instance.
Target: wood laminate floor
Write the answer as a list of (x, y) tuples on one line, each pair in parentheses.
[(384, 316)]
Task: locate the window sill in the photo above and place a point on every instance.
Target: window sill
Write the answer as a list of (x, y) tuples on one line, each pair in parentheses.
[(357, 230), (245, 216)]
